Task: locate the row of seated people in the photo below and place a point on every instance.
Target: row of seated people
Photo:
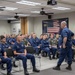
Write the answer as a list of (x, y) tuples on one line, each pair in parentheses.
[(50, 44), (43, 44), (20, 53), (39, 44)]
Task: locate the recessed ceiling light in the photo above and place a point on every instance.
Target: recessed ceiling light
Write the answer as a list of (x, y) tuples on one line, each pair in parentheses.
[(12, 18), (61, 8), (28, 3), (23, 15), (35, 11)]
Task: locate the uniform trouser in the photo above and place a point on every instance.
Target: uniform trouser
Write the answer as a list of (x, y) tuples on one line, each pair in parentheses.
[(37, 50), (72, 54), (24, 60), (47, 50), (53, 50), (63, 53), (8, 62)]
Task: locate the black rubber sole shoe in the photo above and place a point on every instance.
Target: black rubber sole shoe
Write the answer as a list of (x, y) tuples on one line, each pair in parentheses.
[(56, 68), (69, 68), (36, 70)]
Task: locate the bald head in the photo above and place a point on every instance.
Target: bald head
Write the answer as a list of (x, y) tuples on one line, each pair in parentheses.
[(19, 38), (63, 24)]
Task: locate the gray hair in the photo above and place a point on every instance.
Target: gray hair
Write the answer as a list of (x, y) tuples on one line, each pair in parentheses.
[(64, 22)]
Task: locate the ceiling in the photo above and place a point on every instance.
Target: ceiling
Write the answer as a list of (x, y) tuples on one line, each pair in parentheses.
[(26, 9)]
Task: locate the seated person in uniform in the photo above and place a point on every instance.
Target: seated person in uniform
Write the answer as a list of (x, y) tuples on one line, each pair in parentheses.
[(45, 46), (41, 38), (21, 53), (4, 58), (53, 43), (12, 40), (7, 38), (5, 46), (34, 41)]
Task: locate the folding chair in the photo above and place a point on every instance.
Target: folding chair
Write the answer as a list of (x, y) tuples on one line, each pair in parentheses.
[(10, 54), (32, 51)]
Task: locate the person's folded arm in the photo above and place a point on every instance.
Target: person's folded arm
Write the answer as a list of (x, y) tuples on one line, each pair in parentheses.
[(16, 53)]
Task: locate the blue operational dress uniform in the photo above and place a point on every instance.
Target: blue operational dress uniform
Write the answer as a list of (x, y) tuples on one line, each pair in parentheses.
[(19, 48), (35, 43), (12, 40), (68, 50), (5, 45), (7, 39), (5, 60), (45, 47), (73, 50)]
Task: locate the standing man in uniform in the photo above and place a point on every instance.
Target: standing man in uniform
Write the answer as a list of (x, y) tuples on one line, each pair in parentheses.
[(66, 46)]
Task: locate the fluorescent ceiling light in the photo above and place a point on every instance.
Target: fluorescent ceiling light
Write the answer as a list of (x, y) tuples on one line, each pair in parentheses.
[(28, 3), (11, 18), (23, 15), (10, 8), (61, 8), (35, 11)]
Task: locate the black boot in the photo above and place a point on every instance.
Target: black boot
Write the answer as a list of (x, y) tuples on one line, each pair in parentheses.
[(50, 58), (26, 72), (14, 65), (57, 68), (69, 67), (8, 73), (53, 57), (36, 70), (2, 67)]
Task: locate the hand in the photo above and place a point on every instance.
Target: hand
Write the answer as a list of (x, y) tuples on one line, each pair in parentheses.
[(25, 54), (0, 59), (60, 46), (9, 48), (64, 46), (12, 43), (38, 46)]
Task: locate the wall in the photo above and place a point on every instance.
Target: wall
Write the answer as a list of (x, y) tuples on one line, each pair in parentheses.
[(35, 24), (38, 22), (4, 27), (17, 27), (30, 24), (38, 25)]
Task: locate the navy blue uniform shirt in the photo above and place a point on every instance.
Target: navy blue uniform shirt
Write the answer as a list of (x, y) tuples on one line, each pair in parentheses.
[(1, 51), (44, 43), (5, 46), (12, 40), (19, 47), (34, 42), (67, 33)]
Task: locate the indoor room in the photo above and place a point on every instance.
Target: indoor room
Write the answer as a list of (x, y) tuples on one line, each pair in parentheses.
[(37, 37)]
